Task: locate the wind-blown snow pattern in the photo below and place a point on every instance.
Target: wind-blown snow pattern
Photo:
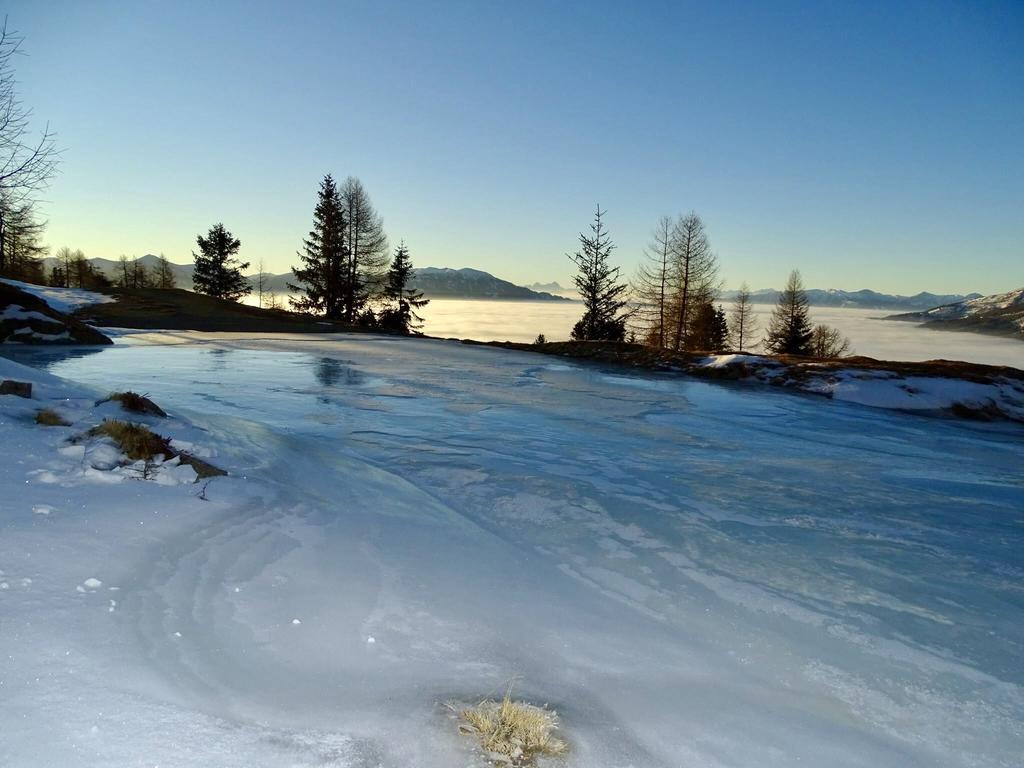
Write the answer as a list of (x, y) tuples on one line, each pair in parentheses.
[(62, 299), (693, 574)]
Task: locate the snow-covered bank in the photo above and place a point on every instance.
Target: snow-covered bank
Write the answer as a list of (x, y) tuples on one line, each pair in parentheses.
[(26, 318), (968, 395), (936, 387), (692, 575), (61, 299)]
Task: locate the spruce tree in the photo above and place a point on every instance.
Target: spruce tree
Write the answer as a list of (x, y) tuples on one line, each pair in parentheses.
[(599, 286), (720, 330), (789, 330), (406, 300), (217, 272), (709, 330), (321, 278)]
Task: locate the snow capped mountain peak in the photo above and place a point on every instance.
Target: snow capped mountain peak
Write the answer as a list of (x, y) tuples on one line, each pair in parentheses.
[(1000, 313), (996, 301)]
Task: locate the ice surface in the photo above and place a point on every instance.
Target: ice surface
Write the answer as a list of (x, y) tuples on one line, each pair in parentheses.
[(692, 574)]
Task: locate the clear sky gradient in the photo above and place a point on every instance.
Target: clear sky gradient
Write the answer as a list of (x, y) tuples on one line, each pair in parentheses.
[(874, 145)]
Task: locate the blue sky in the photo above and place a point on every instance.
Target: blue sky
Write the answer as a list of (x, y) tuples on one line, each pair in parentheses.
[(869, 144)]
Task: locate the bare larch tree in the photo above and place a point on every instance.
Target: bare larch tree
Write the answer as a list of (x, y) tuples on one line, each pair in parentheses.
[(27, 160), (742, 323), (653, 283)]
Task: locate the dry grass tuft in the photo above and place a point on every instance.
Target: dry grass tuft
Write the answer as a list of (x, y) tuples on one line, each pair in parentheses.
[(136, 403), (138, 442), (134, 440), (512, 732), (48, 417)]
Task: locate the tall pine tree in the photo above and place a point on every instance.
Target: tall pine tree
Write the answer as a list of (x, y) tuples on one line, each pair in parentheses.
[(709, 330), (322, 278), (405, 299), (599, 286), (789, 330), (217, 272)]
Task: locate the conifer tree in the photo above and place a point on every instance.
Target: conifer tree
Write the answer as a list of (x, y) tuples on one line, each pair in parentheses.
[(709, 330), (321, 278), (57, 279), (65, 257), (26, 166), (653, 285), (789, 331), (696, 275), (80, 269), (401, 316), (163, 275), (261, 283), (599, 286), (217, 272), (828, 342), (744, 324), (367, 249), (124, 274), (140, 275), (20, 238)]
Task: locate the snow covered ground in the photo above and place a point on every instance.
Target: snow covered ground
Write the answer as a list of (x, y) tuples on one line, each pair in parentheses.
[(61, 299), (1001, 396), (693, 574)]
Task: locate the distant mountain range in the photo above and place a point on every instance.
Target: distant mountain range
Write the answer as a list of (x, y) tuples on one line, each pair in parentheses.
[(466, 283), (440, 282), (548, 287), (863, 299), (1001, 314)]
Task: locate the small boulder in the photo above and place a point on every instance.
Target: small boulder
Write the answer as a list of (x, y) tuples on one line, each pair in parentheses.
[(19, 388)]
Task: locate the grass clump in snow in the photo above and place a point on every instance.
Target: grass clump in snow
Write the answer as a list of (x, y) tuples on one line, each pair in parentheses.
[(512, 732), (136, 441), (139, 443), (47, 417), (136, 403)]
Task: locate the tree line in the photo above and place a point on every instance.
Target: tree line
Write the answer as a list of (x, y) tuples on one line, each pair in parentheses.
[(73, 270), (671, 302), (346, 270)]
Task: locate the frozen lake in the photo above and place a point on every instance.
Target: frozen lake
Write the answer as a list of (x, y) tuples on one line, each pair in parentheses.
[(871, 336), (693, 574)]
